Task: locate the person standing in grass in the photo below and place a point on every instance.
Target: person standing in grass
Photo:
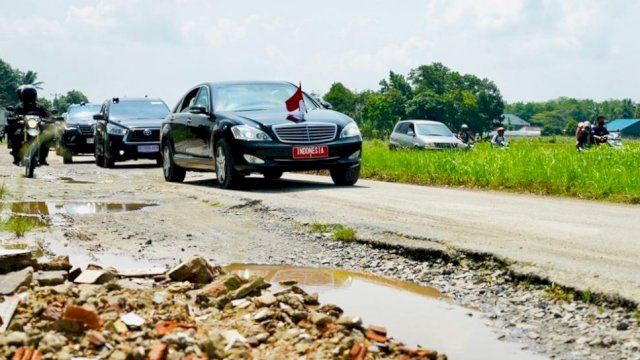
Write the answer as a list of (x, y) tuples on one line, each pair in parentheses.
[(599, 132), (584, 137), (498, 140)]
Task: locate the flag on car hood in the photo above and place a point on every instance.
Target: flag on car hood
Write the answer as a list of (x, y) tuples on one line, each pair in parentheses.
[(295, 105)]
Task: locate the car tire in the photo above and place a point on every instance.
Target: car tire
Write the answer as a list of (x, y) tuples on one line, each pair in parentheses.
[(172, 172), (109, 162), (345, 175), (226, 174), (393, 147), (272, 175)]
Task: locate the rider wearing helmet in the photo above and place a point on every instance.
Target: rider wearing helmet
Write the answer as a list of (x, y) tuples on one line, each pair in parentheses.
[(498, 140), (584, 137), (28, 96), (464, 135)]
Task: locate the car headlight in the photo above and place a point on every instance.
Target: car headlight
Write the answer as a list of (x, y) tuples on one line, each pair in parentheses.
[(69, 127), (32, 124), (116, 130), (351, 130), (249, 133)]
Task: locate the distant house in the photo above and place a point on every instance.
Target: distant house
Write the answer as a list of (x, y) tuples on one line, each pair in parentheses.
[(626, 127), (513, 122)]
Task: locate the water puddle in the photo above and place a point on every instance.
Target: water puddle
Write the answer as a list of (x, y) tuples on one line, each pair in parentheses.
[(413, 314)]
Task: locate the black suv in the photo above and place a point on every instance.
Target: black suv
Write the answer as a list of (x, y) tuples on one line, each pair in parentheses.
[(76, 137), (129, 129), (239, 128)]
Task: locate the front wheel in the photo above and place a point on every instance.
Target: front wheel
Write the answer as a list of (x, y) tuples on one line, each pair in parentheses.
[(345, 175), (172, 172), (30, 166), (226, 174)]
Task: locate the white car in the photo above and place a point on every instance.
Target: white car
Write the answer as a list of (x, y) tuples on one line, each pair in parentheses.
[(423, 134)]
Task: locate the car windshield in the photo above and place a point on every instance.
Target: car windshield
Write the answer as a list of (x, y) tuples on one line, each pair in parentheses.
[(81, 113), (255, 97), (138, 109), (433, 130)]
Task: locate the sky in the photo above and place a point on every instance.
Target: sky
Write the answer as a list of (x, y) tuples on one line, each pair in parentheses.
[(534, 50)]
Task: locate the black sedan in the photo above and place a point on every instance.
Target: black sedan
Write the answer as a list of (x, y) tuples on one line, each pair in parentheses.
[(129, 129), (239, 128)]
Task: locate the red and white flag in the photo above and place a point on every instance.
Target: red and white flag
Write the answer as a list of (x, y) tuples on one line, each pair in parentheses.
[(295, 105)]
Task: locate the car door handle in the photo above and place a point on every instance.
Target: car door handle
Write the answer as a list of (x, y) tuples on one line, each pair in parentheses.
[(188, 121)]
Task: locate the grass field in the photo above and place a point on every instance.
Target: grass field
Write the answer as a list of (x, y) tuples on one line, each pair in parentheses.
[(549, 166)]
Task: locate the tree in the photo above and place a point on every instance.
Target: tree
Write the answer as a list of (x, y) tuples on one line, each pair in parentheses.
[(29, 78), (9, 80), (341, 98), (72, 97)]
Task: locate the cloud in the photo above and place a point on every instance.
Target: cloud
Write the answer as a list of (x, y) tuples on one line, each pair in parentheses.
[(483, 15)]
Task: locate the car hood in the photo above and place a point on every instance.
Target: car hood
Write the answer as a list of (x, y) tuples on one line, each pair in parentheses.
[(81, 122), (138, 123), (270, 118)]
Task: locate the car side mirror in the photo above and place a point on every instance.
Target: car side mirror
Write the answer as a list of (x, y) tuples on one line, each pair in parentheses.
[(411, 133), (327, 105), (59, 118), (11, 108), (98, 117), (198, 109)]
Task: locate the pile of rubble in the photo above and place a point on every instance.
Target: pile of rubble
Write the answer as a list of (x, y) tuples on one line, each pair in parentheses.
[(194, 311)]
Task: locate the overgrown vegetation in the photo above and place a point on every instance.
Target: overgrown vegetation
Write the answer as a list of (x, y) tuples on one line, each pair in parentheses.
[(18, 225), (557, 293), (536, 166), (338, 231)]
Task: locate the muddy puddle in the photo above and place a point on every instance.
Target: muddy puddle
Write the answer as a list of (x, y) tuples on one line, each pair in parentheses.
[(44, 213), (413, 314)]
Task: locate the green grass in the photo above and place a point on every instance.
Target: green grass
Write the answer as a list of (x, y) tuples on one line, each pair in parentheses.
[(19, 225), (338, 231), (557, 293), (549, 166)]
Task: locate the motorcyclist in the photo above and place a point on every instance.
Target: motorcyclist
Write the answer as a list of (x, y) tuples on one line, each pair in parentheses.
[(584, 137), (599, 133), (28, 95), (499, 140), (464, 135)]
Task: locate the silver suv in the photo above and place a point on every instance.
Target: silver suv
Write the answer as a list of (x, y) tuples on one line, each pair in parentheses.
[(423, 134)]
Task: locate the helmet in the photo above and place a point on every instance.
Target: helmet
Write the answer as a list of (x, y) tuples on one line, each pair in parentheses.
[(29, 94), (464, 127), (19, 92)]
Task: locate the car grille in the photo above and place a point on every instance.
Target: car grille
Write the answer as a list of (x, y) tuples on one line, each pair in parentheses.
[(86, 129), (445, 145), (305, 133), (137, 135)]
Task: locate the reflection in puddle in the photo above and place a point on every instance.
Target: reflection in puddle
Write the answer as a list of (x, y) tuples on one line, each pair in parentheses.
[(69, 180), (72, 207), (412, 313)]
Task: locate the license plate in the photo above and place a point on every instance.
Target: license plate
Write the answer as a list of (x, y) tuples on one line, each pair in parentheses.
[(148, 148), (89, 140), (310, 152)]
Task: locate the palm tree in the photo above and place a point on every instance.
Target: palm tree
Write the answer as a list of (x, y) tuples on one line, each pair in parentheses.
[(29, 78)]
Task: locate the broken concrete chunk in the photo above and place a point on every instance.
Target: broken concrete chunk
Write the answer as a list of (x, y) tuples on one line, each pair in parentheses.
[(7, 309), (50, 278), (132, 320), (16, 259), (146, 272), (196, 270), (57, 263), (320, 319), (10, 282), (266, 300), (233, 337), (88, 276), (253, 287)]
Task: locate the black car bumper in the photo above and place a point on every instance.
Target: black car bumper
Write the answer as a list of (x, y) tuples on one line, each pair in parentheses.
[(78, 142), (121, 151), (274, 156)]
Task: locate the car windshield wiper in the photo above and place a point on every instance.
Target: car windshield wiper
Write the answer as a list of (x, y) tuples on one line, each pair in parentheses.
[(257, 109)]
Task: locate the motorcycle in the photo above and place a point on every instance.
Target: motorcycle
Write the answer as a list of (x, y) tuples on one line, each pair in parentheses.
[(614, 140), (26, 140)]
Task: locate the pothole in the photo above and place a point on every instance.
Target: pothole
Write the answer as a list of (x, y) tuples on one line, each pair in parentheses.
[(415, 314)]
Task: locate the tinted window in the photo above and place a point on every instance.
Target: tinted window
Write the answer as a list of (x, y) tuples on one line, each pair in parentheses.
[(203, 98), (253, 97), (188, 100), (402, 128), (85, 112), (138, 109), (434, 130)]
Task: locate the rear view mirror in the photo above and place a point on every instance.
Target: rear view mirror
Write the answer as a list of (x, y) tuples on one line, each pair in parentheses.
[(327, 105), (54, 112), (411, 133), (198, 109), (11, 108), (98, 117)]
